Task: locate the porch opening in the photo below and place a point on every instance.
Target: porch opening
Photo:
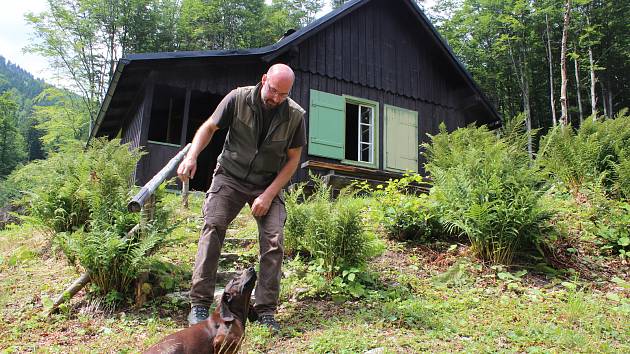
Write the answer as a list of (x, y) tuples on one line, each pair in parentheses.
[(167, 112), (202, 105)]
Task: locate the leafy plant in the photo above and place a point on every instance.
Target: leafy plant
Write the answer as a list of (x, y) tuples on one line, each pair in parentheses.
[(331, 230), (614, 230), (403, 214), (596, 153), (312, 278), (82, 197), (486, 189)]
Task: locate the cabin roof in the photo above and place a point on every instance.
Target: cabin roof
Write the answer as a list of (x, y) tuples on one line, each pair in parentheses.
[(131, 70)]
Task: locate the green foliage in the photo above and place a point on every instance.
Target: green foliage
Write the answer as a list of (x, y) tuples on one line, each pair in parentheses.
[(61, 117), (11, 141), (61, 191), (504, 46), (403, 214), (314, 281), (598, 152), (485, 188), (613, 230), (14, 77), (82, 196), (331, 230)]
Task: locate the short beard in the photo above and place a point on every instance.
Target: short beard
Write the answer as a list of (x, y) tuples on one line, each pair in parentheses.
[(268, 106)]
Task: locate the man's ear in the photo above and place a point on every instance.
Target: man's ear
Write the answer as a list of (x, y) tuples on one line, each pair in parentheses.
[(226, 314)]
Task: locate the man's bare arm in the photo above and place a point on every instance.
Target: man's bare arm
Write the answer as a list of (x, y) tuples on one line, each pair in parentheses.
[(261, 205)]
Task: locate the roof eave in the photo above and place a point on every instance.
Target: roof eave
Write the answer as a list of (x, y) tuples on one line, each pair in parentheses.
[(122, 63)]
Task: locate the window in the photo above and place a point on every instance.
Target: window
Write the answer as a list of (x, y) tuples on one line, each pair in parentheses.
[(360, 133), (346, 128), (343, 128)]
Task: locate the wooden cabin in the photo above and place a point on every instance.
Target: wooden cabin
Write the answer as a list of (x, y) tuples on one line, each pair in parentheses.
[(374, 76)]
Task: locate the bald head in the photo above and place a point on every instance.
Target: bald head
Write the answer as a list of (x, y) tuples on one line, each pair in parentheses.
[(276, 85), (281, 72)]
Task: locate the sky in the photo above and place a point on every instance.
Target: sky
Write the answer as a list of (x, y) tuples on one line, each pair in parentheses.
[(15, 34)]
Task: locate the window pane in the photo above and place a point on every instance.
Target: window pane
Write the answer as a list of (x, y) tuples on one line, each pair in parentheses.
[(366, 136), (366, 115), (365, 152)]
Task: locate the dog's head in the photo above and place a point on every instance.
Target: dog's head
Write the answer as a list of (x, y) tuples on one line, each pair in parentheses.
[(235, 298)]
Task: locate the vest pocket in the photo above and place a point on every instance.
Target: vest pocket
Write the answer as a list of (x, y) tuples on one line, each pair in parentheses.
[(274, 156)]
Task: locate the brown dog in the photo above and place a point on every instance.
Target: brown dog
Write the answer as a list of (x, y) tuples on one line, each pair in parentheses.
[(223, 331)]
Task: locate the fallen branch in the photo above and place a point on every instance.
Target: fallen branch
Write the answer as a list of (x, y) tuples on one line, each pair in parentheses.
[(70, 292)]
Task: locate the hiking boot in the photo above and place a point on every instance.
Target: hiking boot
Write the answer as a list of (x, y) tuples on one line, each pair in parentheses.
[(269, 321), (197, 314)]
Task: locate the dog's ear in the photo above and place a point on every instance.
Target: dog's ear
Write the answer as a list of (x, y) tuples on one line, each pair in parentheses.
[(226, 314)]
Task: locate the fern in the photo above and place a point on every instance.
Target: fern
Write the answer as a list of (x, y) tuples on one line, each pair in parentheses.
[(485, 189), (82, 196), (331, 230), (594, 154)]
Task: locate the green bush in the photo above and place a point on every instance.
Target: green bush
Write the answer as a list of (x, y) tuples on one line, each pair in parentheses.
[(613, 230), (403, 214), (622, 175), (331, 230), (598, 152), (485, 188), (62, 191), (82, 197)]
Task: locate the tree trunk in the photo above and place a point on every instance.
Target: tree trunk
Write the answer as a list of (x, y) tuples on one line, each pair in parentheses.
[(610, 98), (577, 88), (601, 86), (564, 118), (552, 99), (521, 71), (528, 119), (593, 78)]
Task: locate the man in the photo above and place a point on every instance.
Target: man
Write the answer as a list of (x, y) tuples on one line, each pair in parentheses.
[(262, 151)]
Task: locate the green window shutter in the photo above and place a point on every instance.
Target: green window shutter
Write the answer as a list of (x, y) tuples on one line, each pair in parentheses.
[(326, 125), (401, 139)]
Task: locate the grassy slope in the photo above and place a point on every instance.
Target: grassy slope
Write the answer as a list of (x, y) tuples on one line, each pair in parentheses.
[(427, 300)]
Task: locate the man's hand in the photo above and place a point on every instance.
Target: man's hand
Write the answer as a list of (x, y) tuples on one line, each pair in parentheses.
[(261, 205), (187, 169)]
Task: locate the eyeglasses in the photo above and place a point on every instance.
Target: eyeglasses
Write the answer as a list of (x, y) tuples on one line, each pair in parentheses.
[(275, 92)]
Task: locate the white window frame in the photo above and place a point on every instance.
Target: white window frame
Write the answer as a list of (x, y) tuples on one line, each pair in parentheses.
[(374, 127)]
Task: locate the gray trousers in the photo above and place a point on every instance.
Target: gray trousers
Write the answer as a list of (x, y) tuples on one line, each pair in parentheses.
[(224, 200)]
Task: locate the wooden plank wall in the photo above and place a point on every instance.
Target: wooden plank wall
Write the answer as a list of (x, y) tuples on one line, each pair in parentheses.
[(131, 133), (374, 54)]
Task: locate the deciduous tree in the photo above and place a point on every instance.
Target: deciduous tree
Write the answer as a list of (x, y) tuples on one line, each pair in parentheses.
[(12, 150)]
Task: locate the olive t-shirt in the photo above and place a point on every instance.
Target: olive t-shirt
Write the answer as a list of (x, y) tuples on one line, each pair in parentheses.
[(224, 113)]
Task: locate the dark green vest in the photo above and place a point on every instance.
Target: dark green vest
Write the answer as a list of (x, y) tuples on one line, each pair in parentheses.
[(241, 156)]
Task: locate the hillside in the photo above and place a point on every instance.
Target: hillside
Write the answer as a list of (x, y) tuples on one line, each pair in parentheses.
[(14, 77)]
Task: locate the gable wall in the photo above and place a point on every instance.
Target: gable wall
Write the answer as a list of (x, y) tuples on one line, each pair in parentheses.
[(380, 54)]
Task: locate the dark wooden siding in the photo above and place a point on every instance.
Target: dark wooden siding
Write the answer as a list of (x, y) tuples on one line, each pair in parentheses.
[(212, 78), (374, 47), (131, 133), (373, 54), (429, 114), (157, 157), (378, 52)]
